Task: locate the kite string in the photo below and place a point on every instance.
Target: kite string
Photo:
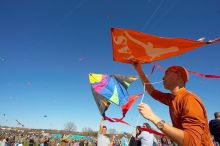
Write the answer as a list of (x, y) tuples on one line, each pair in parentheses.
[(139, 116), (143, 99), (154, 12), (155, 82)]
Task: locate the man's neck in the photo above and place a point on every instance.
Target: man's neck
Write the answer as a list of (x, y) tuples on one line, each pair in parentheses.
[(176, 90)]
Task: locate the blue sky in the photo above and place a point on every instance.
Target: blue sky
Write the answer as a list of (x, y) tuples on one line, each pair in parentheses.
[(48, 48)]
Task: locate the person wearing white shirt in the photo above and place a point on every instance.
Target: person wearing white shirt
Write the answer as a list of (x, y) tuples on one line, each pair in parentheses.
[(146, 138), (102, 139)]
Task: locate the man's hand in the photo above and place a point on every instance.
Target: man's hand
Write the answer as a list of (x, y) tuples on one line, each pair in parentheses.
[(146, 111), (174, 133), (101, 125)]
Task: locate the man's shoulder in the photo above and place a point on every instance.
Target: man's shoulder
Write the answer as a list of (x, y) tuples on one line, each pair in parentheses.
[(191, 101), (214, 122), (189, 96), (186, 93)]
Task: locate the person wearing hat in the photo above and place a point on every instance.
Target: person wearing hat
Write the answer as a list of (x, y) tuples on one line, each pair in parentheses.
[(187, 112)]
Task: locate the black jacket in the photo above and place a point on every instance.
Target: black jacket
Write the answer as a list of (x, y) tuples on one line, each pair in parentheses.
[(214, 126)]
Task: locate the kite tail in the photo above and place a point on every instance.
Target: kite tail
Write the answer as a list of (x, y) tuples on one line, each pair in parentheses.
[(204, 75), (124, 109), (152, 131), (213, 41), (116, 120)]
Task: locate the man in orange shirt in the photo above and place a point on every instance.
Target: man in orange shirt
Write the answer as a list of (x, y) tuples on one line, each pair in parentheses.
[(188, 115)]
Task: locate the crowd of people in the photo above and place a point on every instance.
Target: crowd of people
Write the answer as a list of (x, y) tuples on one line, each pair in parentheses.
[(20, 138)]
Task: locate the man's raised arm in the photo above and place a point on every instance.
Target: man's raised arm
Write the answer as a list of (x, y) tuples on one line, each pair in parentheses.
[(101, 125), (148, 86)]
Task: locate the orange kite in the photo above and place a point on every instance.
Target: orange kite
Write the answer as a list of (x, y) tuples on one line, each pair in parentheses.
[(130, 46)]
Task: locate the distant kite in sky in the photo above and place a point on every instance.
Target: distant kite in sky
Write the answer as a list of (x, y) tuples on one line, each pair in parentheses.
[(109, 89), (19, 123), (81, 59), (11, 97), (29, 83), (45, 116), (2, 59), (108, 17), (132, 46)]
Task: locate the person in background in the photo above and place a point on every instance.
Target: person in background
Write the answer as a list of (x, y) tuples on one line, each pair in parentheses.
[(124, 140), (64, 140), (133, 140), (102, 139), (146, 138), (214, 126)]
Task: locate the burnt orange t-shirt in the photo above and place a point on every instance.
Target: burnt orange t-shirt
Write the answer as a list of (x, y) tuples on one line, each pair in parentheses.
[(188, 114)]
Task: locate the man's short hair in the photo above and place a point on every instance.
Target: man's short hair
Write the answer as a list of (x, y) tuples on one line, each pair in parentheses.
[(217, 114), (104, 127), (180, 70)]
